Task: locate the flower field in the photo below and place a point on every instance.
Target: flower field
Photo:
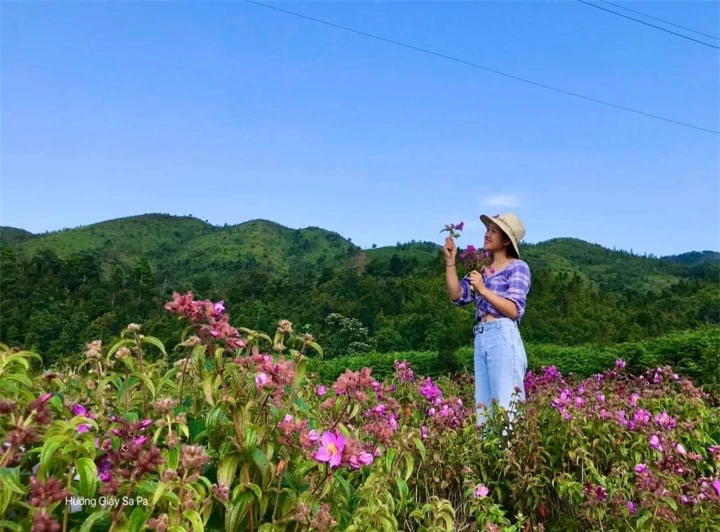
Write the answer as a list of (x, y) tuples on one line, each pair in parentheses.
[(228, 431)]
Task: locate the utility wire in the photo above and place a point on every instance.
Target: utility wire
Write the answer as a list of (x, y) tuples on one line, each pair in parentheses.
[(475, 65), (648, 24), (660, 20)]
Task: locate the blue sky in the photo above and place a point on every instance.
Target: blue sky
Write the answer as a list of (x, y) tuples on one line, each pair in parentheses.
[(229, 112)]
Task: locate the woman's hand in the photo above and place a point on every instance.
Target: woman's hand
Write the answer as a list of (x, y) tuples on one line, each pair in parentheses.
[(450, 249), (476, 280)]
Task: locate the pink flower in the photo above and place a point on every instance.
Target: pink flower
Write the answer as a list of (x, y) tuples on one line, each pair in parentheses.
[(665, 421), (579, 401), (460, 226), (331, 449), (631, 507), (321, 390), (261, 379), (313, 436), (601, 398), (140, 440), (716, 485), (431, 412), (146, 423), (44, 398), (634, 399), (620, 364), (79, 410), (83, 427), (423, 432), (655, 443), (481, 490), (219, 308), (679, 447), (358, 460), (641, 468)]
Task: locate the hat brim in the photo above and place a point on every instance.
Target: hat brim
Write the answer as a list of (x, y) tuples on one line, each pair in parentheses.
[(504, 228)]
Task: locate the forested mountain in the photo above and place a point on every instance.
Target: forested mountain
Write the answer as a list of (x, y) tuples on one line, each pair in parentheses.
[(60, 289)]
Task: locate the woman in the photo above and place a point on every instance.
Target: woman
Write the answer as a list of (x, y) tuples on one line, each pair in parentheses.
[(500, 294)]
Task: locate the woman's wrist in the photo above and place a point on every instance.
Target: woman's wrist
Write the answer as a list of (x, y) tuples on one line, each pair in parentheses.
[(448, 264)]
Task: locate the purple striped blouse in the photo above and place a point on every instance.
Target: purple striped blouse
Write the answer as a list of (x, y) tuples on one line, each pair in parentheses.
[(512, 283)]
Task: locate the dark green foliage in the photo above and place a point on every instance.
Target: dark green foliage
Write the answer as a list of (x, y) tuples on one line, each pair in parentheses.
[(694, 354), (62, 289)]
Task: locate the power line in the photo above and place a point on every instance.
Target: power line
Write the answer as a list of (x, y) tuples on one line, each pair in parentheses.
[(475, 65), (648, 24), (660, 20)]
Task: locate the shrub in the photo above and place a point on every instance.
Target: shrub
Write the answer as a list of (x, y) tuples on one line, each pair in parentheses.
[(235, 435)]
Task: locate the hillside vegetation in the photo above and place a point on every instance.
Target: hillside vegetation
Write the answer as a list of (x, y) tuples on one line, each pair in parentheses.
[(59, 289)]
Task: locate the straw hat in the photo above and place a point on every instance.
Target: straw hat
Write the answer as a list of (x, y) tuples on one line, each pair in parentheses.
[(511, 226)]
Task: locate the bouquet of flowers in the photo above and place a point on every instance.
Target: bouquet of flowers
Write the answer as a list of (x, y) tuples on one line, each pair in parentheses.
[(472, 258)]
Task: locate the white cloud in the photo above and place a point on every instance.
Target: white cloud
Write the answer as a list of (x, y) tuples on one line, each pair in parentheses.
[(506, 200)]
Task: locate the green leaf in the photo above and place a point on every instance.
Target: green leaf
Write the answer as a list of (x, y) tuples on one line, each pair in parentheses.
[(87, 470), (256, 490), (157, 495), (9, 525), (641, 521), (209, 384), (94, 518), (195, 520), (403, 489), (235, 511), (157, 343), (117, 345), (11, 478), (226, 469), (260, 459), (138, 517), (300, 370), (250, 439), (48, 450), (148, 383), (173, 458), (301, 404)]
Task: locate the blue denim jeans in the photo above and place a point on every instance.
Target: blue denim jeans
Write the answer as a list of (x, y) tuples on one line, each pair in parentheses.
[(500, 365)]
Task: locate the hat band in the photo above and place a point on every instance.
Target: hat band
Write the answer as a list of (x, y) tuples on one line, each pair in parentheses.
[(508, 228)]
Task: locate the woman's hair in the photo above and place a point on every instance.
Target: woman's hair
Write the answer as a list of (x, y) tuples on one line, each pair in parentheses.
[(510, 248)]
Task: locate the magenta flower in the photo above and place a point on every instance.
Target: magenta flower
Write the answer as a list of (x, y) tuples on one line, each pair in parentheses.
[(219, 308), (313, 436), (634, 399), (423, 432), (665, 421), (679, 447), (601, 398), (331, 448), (631, 507), (460, 226), (620, 364), (566, 415), (140, 440), (146, 423), (716, 485), (261, 379), (83, 427), (431, 412), (431, 391), (79, 410), (655, 443), (358, 460), (641, 468), (321, 390), (601, 493), (45, 397), (481, 490)]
